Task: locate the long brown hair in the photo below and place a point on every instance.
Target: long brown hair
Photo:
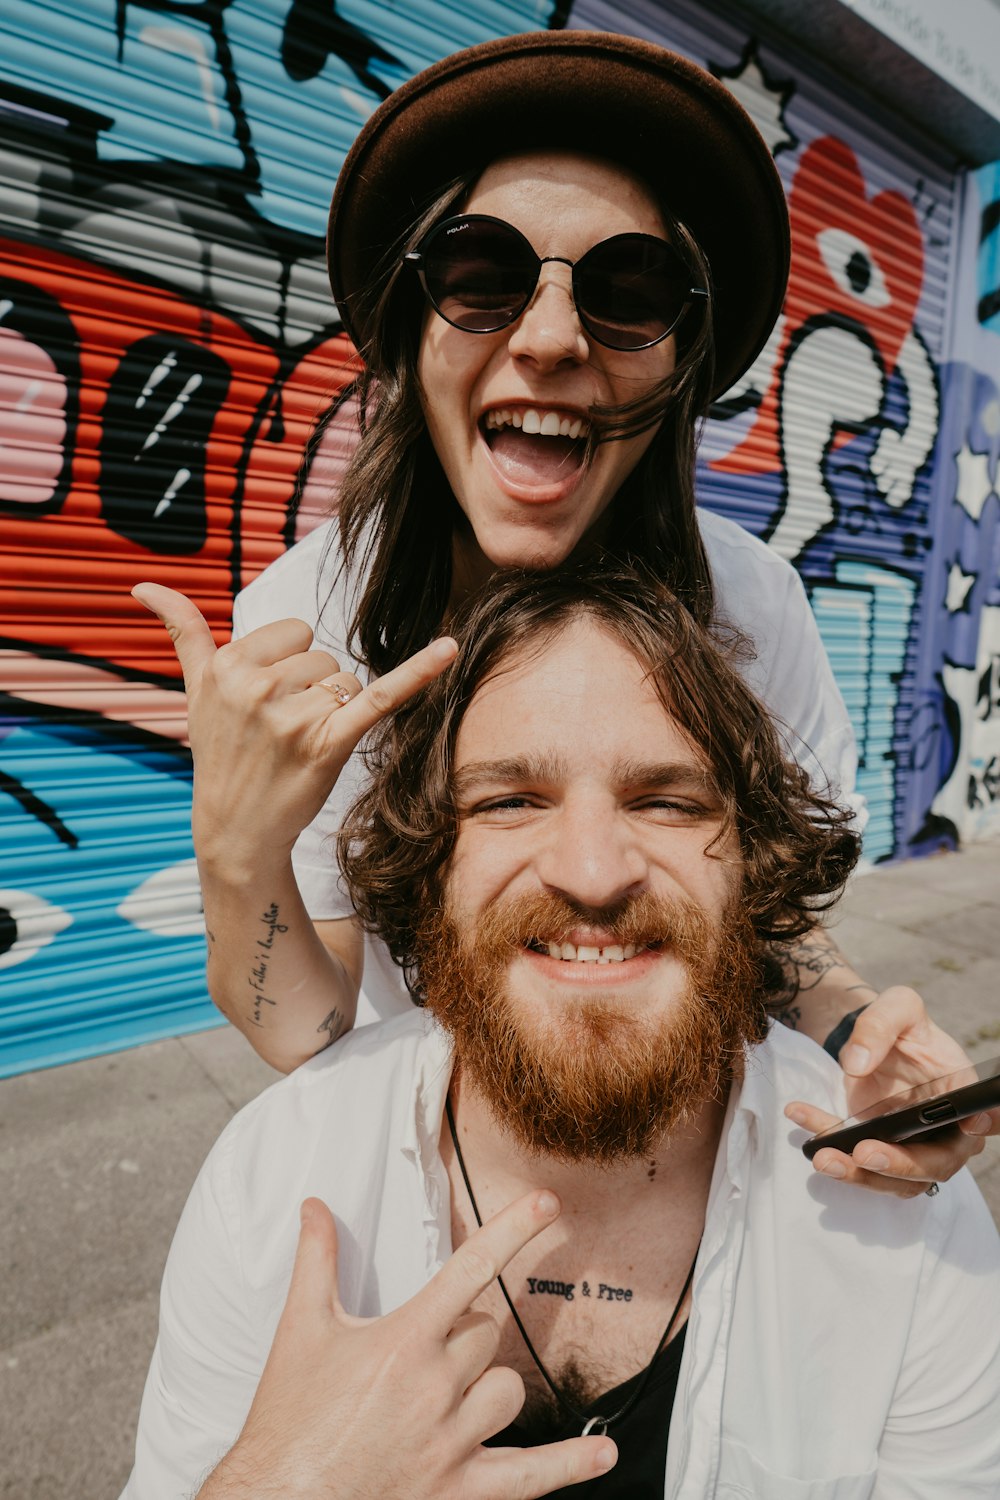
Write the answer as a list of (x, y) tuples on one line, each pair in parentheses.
[(796, 846), (397, 513)]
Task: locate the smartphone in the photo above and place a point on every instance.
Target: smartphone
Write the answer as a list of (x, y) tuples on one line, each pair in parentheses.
[(927, 1110)]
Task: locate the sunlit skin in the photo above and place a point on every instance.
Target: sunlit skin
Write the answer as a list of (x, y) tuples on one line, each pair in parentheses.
[(556, 794), (564, 204)]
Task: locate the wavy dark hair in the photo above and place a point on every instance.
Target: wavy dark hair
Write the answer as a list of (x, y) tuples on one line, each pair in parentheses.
[(395, 844), (397, 514)]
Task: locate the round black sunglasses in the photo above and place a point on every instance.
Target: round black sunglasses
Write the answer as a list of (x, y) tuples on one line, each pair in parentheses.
[(480, 273)]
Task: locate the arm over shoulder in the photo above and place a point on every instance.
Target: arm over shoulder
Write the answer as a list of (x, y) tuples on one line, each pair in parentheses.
[(942, 1438), (763, 595)]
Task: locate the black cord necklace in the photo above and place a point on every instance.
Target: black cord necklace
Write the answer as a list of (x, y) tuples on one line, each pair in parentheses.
[(598, 1425)]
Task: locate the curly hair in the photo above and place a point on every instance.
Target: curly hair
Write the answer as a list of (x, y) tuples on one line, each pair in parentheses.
[(797, 848)]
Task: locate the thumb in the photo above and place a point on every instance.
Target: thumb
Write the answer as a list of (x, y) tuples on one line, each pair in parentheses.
[(185, 624), (313, 1288), (896, 1011)]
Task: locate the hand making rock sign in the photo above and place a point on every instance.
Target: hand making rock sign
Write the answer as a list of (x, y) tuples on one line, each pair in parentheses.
[(272, 724), (397, 1407)]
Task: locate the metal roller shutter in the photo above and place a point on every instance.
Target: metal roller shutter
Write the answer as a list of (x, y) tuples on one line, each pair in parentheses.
[(166, 340), (824, 449)]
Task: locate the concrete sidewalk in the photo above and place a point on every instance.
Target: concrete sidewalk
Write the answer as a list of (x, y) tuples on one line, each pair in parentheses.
[(96, 1160)]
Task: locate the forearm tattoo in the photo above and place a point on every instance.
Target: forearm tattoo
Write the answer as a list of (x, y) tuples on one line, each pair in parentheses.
[(333, 1025), (273, 926), (794, 968)]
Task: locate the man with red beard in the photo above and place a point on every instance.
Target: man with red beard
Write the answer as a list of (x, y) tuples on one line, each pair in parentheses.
[(578, 843)]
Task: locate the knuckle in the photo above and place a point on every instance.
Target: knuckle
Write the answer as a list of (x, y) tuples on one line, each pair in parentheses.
[(381, 698), (477, 1263)]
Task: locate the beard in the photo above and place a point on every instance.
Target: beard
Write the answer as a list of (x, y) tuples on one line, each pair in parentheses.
[(586, 1079)]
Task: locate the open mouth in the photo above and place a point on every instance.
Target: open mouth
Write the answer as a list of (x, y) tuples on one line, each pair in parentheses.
[(613, 953), (535, 445)]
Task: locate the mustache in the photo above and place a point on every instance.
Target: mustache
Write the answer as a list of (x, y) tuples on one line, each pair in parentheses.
[(644, 920)]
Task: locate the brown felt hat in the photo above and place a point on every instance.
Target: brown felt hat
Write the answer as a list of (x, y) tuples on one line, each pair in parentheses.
[(597, 93)]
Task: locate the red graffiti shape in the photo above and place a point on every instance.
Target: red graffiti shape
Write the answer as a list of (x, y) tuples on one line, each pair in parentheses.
[(853, 257)]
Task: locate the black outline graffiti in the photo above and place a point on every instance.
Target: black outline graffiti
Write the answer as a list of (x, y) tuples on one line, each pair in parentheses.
[(313, 30), (35, 807), (210, 14), (782, 88)]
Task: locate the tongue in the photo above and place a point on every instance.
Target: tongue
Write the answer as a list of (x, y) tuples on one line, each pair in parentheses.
[(534, 460)]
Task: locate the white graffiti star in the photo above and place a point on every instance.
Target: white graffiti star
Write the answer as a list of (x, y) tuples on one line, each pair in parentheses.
[(959, 586), (974, 484)]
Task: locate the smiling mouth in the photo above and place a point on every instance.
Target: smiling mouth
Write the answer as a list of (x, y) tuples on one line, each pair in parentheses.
[(613, 953), (535, 445)]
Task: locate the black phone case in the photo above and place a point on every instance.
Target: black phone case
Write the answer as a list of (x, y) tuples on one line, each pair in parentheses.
[(929, 1118)]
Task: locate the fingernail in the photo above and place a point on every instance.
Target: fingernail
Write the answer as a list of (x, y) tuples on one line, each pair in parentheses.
[(835, 1169), (445, 645), (305, 1213), (606, 1459), (980, 1125), (797, 1116), (855, 1058), (875, 1163), (547, 1205)]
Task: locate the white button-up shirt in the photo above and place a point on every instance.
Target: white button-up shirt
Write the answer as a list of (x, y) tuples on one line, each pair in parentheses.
[(841, 1345)]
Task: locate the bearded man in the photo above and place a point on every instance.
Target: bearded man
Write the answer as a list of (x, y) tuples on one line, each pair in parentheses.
[(578, 843)]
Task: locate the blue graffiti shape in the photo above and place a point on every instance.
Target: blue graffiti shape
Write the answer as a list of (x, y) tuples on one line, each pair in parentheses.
[(101, 937), (864, 616), (988, 268)]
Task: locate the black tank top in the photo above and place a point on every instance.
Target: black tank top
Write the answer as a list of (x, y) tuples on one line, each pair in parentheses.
[(641, 1434)]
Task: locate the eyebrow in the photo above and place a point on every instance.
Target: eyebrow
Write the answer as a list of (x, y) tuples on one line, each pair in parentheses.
[(545, 769)]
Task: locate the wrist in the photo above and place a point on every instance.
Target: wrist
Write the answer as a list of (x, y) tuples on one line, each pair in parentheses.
[(225, 864), (841, 1033)]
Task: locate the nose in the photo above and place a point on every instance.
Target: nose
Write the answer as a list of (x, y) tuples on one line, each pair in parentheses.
[(549, 332), (592, 855)]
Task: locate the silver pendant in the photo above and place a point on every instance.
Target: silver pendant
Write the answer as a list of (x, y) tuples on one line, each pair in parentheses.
[(596, 1427)]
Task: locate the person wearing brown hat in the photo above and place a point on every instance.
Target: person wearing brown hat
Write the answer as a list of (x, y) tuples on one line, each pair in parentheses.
[(552, 252)]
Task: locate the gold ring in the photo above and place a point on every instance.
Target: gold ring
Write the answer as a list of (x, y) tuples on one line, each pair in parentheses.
[(338, 691)]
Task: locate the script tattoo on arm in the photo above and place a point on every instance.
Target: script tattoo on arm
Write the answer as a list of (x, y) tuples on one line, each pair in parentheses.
[(333, 1025), (273, 926)]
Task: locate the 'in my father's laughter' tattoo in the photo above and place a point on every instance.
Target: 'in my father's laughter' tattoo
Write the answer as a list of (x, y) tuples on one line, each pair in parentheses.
[(270, 920), (567, 1290)]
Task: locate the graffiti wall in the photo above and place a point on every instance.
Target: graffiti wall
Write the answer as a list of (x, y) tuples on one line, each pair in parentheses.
[(167, 339)]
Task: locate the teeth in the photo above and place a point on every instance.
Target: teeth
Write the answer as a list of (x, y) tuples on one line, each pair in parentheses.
[(534, 421), (587, 954)]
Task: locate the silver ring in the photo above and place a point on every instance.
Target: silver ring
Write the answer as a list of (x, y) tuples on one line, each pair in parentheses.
[(933, 1190), (338, 691), (595, 1422)]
